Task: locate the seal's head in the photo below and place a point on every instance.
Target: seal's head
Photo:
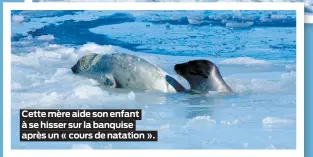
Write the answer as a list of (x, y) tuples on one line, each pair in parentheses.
[(75, 68), (202, 75), (85, 63)]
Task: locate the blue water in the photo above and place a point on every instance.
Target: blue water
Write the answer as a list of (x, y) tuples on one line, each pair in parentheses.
[(255, 51)]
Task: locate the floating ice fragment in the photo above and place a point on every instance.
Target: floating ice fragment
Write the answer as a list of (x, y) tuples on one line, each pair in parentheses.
[(234, 122), (167, 26), (200, 120), (278, 17), (86, 91), (234, 24), (274, 120), (48, 37), (18, 18), (195, 20), (131, 95)]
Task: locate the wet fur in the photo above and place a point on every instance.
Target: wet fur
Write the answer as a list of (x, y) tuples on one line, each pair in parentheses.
[(121, 70), (203, 76)]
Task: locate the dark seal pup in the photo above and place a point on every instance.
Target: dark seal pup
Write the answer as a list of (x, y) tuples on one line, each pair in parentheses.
[(203, 76)]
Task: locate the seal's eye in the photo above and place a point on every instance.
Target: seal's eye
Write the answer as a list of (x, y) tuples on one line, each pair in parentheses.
[(205, 75), (194, 73), (199, 73)]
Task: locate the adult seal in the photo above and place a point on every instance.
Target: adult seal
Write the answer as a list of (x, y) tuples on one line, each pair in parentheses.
[(121, 70)]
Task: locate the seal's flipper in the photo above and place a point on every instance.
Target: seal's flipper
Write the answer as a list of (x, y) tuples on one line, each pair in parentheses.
[(108, 80), (176, 85)]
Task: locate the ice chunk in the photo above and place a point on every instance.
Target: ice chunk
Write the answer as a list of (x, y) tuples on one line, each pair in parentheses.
[(18, 18), (234, 24), (275, 120), (200, 120), (195, 20), (48, 37), (86, 91), (131, 95)]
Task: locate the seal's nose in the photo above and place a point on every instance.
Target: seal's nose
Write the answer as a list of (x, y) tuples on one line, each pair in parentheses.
[(74, 69), (177, 67), (180, 68)]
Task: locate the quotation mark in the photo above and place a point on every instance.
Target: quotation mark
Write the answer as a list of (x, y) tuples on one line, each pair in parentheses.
[(150, 136), (63, 136)]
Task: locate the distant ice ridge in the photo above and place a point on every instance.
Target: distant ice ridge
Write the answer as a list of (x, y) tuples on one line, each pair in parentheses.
[(235, 20), (244, 61), (234, 24), (275, 120), (45, 37), (235, 122), (81, 146), (199, 121)]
